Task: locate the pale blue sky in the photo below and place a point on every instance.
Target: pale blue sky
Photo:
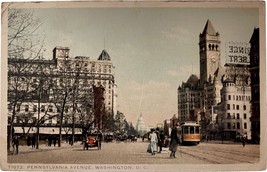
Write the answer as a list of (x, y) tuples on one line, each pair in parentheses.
[(153, 49)]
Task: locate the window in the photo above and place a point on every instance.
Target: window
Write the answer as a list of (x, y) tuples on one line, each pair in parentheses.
[(191, 130), (237, 107), (245, 116), (228, 125), (245, 125), (34, 108), (229, 97), (228, 107), (42, 108), (234, 106), (244, 107), (237, 116), (197, 130), (26, 108), (186, 130), (238, 125), (228, 115), (50, 108)]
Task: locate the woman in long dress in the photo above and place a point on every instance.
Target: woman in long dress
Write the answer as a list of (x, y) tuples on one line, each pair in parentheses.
[(174, 141), (153, 141)]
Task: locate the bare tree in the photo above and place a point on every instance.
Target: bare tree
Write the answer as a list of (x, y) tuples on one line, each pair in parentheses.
[(23, 39), (23, 44), (62, 91)]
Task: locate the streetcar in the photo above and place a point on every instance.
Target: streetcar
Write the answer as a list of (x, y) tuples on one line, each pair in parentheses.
[(189, 133)]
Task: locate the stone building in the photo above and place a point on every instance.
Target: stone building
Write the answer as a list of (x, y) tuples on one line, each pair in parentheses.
[(60, 90), (203, 93), (234, 108), (141, 126), (219, 100)]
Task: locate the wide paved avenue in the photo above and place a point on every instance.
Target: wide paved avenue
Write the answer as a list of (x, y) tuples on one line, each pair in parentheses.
[(135, 153)]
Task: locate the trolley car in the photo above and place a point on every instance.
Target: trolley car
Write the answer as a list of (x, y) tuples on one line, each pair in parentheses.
[(189, 133)]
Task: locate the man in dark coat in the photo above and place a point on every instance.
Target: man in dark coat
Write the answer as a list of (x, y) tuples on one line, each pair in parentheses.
[(15, 144), (161, 140), (174, 141), (33, 141)]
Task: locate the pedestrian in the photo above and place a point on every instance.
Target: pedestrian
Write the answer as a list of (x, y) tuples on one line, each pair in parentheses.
[(28, 140), (49, 140), (55, 141), (33, 141), (244, 137), (158, 144), (15, 144), (174, 141), (153, 141), (161, 140)]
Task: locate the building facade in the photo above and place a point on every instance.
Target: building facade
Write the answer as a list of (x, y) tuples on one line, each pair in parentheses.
[(219, 100), (234, 112), (61, 90), (203, 93), (188, 98)]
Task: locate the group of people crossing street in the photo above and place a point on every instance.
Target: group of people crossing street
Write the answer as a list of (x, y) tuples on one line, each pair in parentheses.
[(157, 140)]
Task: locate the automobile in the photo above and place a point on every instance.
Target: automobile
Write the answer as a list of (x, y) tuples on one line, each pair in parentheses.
[(92, 140), (109, 138), (132, 138)]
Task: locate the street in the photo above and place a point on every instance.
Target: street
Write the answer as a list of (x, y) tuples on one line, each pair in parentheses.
[(135, 153)]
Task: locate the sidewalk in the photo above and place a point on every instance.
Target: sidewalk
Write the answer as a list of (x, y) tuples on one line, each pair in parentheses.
[(43, 147)]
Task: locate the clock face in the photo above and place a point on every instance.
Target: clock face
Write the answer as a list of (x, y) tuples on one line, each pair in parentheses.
[(213, 57)]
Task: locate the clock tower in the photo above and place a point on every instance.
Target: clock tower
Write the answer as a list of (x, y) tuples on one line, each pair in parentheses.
[(209, 51)]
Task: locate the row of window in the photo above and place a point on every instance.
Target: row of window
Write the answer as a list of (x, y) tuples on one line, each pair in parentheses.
[(237, 116), (236, 107), (43, 108), (236, 126), (237, 98)]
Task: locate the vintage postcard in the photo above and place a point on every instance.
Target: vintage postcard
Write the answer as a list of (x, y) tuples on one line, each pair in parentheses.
[(133, 86)]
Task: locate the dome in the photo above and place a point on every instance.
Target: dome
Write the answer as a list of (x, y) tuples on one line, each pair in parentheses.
[(140, 126), (140, 119)]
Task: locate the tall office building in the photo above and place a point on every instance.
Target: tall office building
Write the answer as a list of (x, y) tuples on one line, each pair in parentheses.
[(44, 90)]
